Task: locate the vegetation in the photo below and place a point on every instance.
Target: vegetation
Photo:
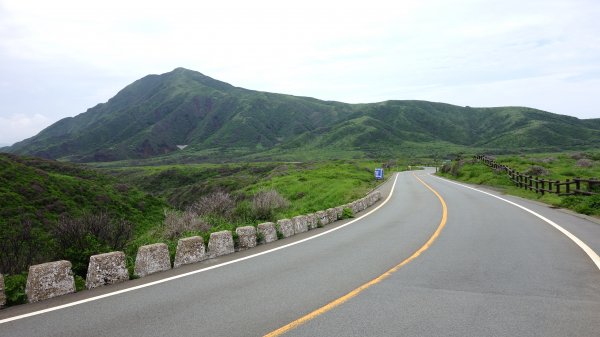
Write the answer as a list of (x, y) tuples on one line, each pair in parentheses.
[(148, 119), (235, 195), (555, 166), (54, 210)]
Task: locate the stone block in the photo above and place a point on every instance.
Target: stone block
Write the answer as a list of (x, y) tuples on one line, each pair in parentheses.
[(246, 237), (363, 204), (152, 259), (268, 232), (332, 215), (300, 224), (189, 250), (312, 221), (48, 280), (220, 243), (339, 211), (286, 227), (105, 269), (2, 294), (355, 207), (322, 217)]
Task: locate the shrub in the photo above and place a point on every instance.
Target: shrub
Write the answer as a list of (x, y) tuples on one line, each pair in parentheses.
[(347, 213), (536, 170), (266, 202), (79, 238), (21, 246), (216, 203), (14, 288), (176, 223), (584, 163)]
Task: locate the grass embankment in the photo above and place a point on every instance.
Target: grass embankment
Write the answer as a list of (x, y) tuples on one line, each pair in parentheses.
[(52, 210), (307, 187), (555, 166)]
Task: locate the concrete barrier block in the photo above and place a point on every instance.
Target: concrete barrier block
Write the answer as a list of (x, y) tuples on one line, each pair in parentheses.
[(363, 204), (339, 211), (300, 224), (370, 199), (220, 243), (48, 280), (268, 232), (322, 217), (152, 259), (286, 227), (246, 236), (312, 221), (105, 269), (332, 215), (355, 207), (2, 294), (189, 250)]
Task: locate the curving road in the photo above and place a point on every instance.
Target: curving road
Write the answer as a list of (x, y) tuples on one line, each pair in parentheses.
[(494, 270)]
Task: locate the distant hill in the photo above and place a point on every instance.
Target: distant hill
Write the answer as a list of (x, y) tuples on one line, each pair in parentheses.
[(218, 121)]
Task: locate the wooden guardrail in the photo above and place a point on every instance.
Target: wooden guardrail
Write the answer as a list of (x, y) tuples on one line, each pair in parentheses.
[(568, 187)]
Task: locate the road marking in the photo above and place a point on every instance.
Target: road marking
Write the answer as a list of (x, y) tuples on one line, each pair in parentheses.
[(39, 312), (589, 251), (331, 305)]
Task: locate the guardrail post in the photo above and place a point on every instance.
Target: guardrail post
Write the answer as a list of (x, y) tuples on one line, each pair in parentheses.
[(577, 185), (530, 178), (543, 186), (568, 186), (558, 187)]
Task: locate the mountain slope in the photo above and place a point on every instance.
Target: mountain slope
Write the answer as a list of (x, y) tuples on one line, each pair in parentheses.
[(218, 121)]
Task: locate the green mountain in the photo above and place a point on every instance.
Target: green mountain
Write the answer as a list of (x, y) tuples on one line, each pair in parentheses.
[(218, 121)]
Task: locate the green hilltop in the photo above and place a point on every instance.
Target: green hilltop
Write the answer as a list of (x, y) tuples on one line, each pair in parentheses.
[(218, 121)]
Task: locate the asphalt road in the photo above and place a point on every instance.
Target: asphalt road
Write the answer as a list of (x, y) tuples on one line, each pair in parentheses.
[(494, 270)]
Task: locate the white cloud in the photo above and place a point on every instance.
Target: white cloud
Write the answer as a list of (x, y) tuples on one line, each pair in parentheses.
[(16, 127), (64, 56)]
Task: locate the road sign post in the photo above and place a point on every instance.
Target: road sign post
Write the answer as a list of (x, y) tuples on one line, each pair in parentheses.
[(378, 173)]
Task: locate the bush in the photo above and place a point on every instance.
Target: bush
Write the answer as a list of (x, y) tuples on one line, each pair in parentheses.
[(266, 202), (584, 163), (14, 288), (21, 246), (347, 213), (176, 223), (79, 238), (216, 203), (536, 170)]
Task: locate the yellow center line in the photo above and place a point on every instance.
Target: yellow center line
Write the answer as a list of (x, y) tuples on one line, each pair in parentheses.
[(367, 285)]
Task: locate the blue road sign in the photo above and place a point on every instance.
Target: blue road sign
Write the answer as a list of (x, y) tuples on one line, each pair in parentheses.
[(378, 173)]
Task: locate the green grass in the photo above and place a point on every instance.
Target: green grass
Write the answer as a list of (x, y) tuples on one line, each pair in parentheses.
[(308, 186), (560, 166), (39, 192)]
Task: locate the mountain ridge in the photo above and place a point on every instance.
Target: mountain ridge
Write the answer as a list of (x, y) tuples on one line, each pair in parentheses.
[(217, 121)]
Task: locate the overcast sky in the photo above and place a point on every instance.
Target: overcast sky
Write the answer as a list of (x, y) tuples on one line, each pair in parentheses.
[(58, 58)]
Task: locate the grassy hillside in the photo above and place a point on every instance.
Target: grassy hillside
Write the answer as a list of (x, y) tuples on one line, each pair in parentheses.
[(220, 122), (51, 210), (555, 166)]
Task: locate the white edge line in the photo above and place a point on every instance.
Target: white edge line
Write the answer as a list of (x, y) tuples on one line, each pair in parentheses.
[(35, 313), (589, 251)]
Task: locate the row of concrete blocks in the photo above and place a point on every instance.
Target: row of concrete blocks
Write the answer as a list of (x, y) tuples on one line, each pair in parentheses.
[(53, 279)]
